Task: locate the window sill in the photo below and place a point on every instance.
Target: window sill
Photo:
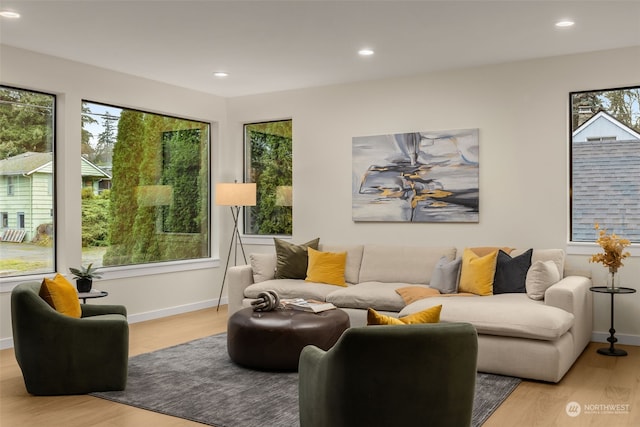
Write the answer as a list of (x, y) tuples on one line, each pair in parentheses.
[(262, 240), (111, 273)]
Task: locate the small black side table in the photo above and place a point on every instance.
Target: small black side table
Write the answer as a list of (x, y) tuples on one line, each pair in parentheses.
[(91, 294), (611, 351)]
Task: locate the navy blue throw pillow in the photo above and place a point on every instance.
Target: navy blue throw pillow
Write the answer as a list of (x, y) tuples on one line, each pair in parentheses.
[(511, 273)]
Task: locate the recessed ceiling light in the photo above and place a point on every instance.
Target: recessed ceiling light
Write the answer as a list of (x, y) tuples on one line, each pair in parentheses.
[(366, 52), (565, 23), (9, 14), (220, 74)]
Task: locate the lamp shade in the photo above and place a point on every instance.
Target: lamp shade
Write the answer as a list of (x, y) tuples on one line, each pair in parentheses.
[(236, 194)]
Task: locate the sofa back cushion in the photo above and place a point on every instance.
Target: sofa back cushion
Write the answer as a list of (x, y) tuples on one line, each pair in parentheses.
[(354, 259), (555, 255), (406, 264)]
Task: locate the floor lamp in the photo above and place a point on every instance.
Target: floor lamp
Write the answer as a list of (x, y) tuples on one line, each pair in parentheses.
[(235, 195)]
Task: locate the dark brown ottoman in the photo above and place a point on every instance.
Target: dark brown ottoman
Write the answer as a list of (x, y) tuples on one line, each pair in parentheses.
[(273, 340)]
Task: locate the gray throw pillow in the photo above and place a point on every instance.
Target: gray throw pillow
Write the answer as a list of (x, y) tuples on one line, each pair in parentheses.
[(292, 260), (446, 275)]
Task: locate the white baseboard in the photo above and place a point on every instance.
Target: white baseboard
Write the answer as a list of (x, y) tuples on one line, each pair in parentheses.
[(622, 338), (6, 343)]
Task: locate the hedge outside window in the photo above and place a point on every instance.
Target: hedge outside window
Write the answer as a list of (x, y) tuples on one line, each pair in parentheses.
[(27, 171), (145, 195), (268, 163), (605, 163)]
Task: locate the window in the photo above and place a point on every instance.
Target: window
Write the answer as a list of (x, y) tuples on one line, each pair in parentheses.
[(27, 163), (605, 163), (11, 183), (145, 195), (268, 163)]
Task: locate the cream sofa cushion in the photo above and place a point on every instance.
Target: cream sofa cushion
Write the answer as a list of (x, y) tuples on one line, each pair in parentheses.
[(263, 266), (540, 277), (291, 288), (405, 264), (510, 315), (376, 295)]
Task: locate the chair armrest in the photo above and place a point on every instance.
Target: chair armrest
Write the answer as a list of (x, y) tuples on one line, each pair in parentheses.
[(312, 387), (239, 276), (89, 310)]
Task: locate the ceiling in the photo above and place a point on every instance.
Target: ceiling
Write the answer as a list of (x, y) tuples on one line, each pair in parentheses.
[(268, 46)]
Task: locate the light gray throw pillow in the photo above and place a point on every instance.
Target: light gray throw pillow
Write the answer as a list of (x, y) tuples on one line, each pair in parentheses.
[(541, 276), (446, 275)]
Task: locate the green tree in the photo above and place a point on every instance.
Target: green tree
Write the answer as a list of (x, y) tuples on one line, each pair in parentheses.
[(624, 105), (87, 119), (26, 122), (271, 167), (106, 140), (182, 173), (127, 157), (146, 247)]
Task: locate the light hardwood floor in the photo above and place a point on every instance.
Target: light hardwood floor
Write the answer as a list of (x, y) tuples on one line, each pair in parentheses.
[(593, 382)]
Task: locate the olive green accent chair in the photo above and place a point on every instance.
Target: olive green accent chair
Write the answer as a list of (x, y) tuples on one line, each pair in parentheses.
[(59, 354), (409, 375)]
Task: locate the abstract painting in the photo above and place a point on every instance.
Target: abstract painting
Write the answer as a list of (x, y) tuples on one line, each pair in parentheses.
[(416, 177)]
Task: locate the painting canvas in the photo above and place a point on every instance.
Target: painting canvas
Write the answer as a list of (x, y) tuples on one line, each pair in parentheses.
[(416, 177)]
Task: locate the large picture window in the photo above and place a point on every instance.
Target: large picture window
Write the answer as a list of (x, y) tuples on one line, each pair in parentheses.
[(145, 196), (605, 163), (27, 168), (269, 164)]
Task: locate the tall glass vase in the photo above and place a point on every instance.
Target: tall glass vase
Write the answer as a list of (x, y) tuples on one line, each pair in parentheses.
[(611, 281)]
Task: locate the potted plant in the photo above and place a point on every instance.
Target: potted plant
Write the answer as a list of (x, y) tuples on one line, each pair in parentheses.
[(84, 277)]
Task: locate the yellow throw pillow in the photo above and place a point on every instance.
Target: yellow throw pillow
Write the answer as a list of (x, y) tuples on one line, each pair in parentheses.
[(326, 267), (477, 273), (414, 293), (430, 315), (61, 295)]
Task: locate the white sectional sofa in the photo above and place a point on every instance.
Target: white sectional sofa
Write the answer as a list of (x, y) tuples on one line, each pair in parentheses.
[(517, 335)]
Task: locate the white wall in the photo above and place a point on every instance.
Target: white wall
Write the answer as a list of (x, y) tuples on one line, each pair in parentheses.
[(146, 296), (521, 110)]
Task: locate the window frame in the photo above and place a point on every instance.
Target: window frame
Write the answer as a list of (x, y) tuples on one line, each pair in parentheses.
[(586, 247), (7, 282), (260, 239), (160, 267)]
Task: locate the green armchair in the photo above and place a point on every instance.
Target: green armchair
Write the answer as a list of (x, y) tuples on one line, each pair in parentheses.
[(59, 354), (410, 375)]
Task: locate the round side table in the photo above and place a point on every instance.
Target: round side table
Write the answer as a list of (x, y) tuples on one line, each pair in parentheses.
[(91, 294), (611, 351)]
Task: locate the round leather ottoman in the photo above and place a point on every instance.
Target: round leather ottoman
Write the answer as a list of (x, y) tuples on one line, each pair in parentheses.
[(273, 340)]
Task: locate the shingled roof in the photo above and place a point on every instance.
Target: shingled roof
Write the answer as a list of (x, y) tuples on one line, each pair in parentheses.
[(25, 163), (606, 189), (30, 162)]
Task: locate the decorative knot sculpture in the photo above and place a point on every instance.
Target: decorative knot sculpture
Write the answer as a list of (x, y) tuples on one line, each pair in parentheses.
[(267, 301)]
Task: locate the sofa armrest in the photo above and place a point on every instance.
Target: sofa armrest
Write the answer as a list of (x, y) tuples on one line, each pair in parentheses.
[(572, 294), (239, 276)]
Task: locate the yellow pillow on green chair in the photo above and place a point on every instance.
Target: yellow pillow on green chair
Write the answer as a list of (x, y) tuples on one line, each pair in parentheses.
[(430, 315), (61, 295), (476, 275), (326, 267)]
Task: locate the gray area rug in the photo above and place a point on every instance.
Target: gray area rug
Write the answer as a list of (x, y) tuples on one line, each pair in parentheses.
[(197, 381)]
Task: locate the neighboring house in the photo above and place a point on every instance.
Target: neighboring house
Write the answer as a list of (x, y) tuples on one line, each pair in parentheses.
[(26, 192), (606, 178)]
